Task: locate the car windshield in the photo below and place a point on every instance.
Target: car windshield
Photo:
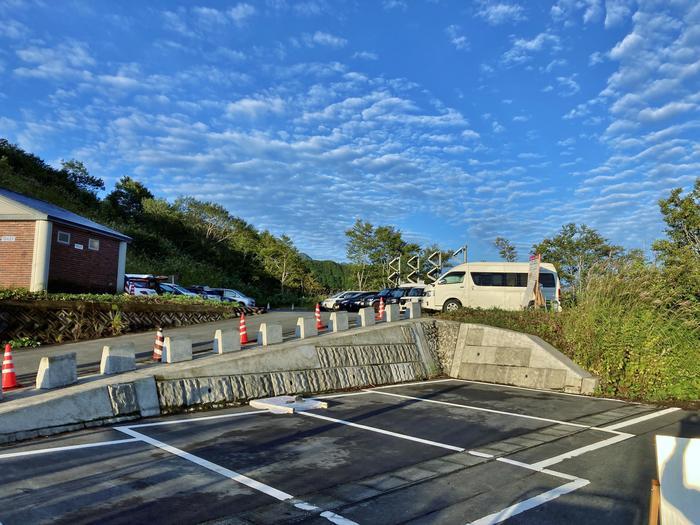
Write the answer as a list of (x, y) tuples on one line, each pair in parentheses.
[(399, 292), (416, 292), (385, 292)]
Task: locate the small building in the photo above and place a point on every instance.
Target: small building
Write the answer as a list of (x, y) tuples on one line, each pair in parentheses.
[(45, 247)]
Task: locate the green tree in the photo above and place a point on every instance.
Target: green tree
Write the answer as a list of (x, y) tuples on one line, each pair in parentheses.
[(127, 197), (505, 249), (360, 246), (574, 250), (680, 251), (77, 172)]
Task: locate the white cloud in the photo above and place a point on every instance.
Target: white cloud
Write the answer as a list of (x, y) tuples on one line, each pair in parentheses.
[(670, 110), (321, 38), (255, 107), (13, 29), (568, 86), (567, 11), (68, 59), (522, 48), (497, 13), (365, 55), (616, 11), (394, 4), (457, 39), (596, 58), (241, 12)]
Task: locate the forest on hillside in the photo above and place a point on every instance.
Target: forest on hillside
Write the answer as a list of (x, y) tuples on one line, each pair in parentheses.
[(198, 242)]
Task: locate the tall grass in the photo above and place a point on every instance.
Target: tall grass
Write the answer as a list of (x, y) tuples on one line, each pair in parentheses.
[(627, 326)]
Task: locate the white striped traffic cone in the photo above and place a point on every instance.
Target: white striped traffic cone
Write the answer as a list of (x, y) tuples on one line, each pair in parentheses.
[(158, 346), (380, 314), (9, 377), (242, 331), (319, 323)]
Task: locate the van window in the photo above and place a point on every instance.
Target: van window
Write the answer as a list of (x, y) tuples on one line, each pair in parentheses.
[(453, 278), (510, 279)]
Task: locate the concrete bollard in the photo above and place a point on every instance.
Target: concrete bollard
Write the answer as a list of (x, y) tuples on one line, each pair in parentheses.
[(116, 359), (367, 316), (57, 371), (306, 327), (414, 310), (177, 349), (392, 313), (226, 341), (339, 322), (269, 334)]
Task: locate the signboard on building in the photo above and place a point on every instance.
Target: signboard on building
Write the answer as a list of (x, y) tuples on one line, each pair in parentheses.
[(8, 238)]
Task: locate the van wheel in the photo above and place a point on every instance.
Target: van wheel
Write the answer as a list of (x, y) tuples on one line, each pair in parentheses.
[(451, 305)]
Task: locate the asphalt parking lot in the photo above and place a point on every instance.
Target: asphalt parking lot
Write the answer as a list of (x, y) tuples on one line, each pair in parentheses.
[(446, 451)]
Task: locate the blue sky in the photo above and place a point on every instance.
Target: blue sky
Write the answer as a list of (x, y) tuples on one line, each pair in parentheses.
[(454, 121)]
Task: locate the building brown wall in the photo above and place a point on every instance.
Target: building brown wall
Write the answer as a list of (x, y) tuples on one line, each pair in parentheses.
[(16, 256), (74, 270)]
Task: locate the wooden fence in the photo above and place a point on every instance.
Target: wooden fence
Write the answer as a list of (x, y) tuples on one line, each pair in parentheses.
[(64, 321)]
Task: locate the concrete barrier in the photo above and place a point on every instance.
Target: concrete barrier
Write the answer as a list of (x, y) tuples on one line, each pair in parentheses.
[(226, 341), (177, 349), (116, 359), (367, 316), (392, 313), (57, 371), (306, 327), (339, 322), (269, 334), (414, 310)]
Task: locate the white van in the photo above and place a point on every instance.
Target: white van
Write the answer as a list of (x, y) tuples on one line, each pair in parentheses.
[(490, 285)]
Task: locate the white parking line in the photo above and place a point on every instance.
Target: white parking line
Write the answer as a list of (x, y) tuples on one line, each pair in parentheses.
[(235, 476), (381, 431), (498, 386), (531, 503), (583, 450), (68, 447), (492, 411), (640, 419), (203, 418)]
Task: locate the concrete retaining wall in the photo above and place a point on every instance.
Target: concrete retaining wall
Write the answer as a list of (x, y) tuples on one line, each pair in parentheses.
[(404, 351)]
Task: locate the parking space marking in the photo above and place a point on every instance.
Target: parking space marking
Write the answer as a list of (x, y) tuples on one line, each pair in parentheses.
[(641, 419), (493, 411), (531, 503), (583, 450), (235, 476), (203, 418), (542, 391), (382, 431), (68, 447)]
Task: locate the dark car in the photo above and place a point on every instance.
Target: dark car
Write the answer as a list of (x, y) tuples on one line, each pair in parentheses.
[(354, 303), (390, 296), (205, 292)]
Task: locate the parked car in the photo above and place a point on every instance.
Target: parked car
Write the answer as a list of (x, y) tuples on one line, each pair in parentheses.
[(143, 284), (230, 295), (205, 292), (415, 294), (354, 302), (329, 303), (174, 289), (390, 296)]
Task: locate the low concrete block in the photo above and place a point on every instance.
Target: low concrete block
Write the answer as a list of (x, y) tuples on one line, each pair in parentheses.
[(392, 313), (339, 321), (177, 349), (269, 334), (117, 359), (306, 327), (147, 396), (57, 371), (226, 341), (414, 310), (367, 316)]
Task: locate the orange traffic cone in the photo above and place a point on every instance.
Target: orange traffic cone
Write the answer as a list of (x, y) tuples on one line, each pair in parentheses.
[(380, 314), (9, 378), (319, 323), (158, 346), (242, 330)]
